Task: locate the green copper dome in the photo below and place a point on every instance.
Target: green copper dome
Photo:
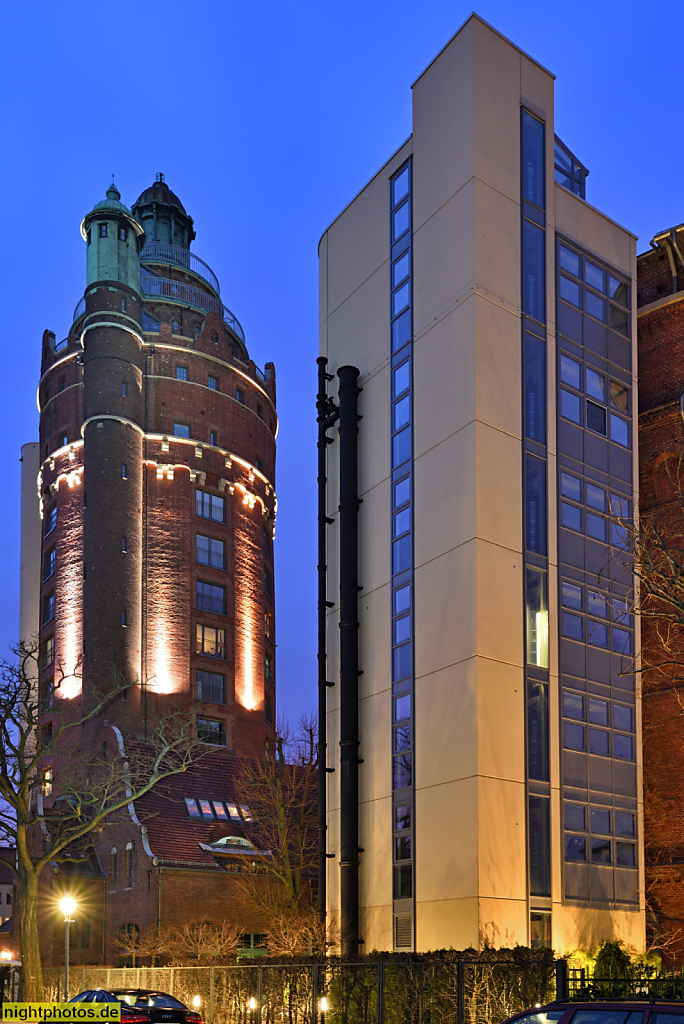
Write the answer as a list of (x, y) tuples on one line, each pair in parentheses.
[(112, 202)]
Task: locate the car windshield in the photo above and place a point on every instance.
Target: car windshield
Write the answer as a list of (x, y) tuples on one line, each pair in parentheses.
[(151, 999)]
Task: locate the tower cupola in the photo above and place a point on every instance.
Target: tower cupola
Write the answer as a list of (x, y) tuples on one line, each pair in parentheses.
[(114, 240), (162, 216)]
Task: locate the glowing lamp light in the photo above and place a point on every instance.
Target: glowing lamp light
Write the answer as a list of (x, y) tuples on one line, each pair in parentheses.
[(252, 1003), (323, 1004), (67, 905), (5, 954), (196, 1002)]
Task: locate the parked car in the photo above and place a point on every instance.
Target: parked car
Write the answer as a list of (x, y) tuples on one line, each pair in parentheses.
[(143, 1006), (633, 1011)]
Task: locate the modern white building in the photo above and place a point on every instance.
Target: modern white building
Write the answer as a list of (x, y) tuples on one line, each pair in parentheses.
[(488, 309)]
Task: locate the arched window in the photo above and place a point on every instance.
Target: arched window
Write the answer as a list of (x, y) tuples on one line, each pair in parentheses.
[(129, 943), (128, 866)]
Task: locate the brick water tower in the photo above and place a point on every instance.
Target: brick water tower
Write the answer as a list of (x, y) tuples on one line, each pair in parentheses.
[(156, 498)]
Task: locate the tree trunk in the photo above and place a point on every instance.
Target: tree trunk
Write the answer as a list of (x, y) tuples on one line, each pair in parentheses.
[(32, 969)]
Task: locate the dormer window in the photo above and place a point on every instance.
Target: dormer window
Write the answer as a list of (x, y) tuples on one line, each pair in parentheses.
[(103, 230)]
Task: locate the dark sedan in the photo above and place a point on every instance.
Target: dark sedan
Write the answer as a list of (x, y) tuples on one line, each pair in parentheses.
[(143, 1006), (627, 1012)]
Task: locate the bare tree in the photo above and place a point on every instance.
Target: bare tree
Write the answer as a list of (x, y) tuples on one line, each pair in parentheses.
[(51, 818), (280, 790)]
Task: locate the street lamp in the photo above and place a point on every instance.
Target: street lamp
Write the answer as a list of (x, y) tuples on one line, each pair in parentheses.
[(323, 1007), (67, 905)]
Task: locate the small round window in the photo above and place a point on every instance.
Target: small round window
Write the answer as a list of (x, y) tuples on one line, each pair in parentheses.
[(175, 325)]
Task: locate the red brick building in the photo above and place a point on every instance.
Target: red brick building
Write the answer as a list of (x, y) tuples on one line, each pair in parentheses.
[(148, 556), (660, 275)]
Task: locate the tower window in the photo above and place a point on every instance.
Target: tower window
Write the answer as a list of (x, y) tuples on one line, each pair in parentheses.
[(62, 384), (124, 544), (210, 730), (181, 430), (181, 371), (213, 382), (258, 464), (49, 607), (211, 687), (213, 437), (49, 567), (123, 234), (123, 305), (124, 620), (210, 641), (124, 389), (239, 396), (124, 471), (175, 326), (103, 230), (50, 519), (63, 440), (260, 411)]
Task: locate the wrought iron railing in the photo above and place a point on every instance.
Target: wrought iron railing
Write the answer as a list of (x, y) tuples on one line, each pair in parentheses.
[(162, 287), (164, 252)]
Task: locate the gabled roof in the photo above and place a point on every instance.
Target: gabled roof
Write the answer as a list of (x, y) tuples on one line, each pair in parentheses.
[(172, 836)]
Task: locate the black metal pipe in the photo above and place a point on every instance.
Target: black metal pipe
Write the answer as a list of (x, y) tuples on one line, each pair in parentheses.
[(349, 661), (322, 408)]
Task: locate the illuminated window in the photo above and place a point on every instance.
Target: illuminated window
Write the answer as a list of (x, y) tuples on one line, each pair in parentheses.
[(246, 813), (210, 641), (48, 607), (211, 687), (268, 626), (211, 552), (233, 812), (181, 430), (45, 783), (239, 396), (181, 371), (213, 382), (210, 506), (537, 615), (210, 730)]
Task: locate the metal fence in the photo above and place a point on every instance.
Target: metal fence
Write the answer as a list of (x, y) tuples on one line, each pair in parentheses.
[(391, 991), (635, 982)]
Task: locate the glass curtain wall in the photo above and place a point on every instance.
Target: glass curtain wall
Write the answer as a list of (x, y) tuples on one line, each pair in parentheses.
[(403, 804), (535, 519)]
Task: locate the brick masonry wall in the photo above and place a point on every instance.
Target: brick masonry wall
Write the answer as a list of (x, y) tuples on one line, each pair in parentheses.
[(661, 382)]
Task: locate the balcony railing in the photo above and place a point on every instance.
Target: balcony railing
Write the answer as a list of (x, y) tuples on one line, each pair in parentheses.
[(178, 291), (164, 252), (154, 286)]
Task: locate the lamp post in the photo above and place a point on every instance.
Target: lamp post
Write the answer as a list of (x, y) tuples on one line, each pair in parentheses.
[(67, 905)]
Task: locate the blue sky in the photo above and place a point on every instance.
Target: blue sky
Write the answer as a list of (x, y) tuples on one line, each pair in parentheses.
[(266, 119)]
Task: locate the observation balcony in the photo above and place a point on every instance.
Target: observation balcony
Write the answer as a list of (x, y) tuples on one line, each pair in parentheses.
[(153, 286), (175, 256)]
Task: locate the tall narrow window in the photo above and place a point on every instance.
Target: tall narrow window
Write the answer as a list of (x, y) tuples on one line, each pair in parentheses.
[(535, 505), (534, 278), (533, 162), (539, 845), (537, 617), (535, 389)]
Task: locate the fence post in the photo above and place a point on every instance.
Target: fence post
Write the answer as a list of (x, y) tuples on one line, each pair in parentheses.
[(211, 995), (460, 992), (173, 978), (260, 990), (381, 992), (109, 977), (562, 981), (315, 992)]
